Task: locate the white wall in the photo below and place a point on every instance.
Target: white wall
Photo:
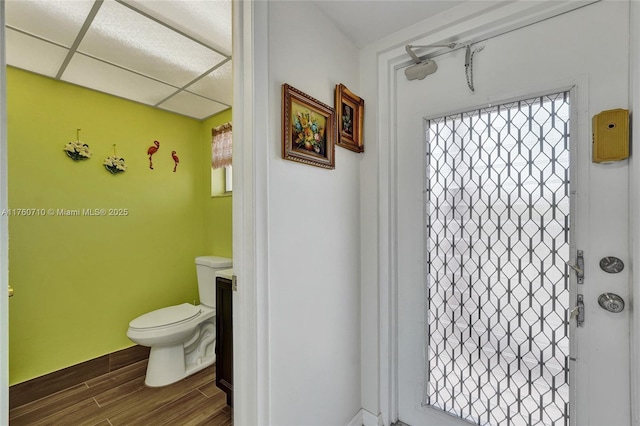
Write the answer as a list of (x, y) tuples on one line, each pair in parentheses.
[(314, 235), (369, 193)]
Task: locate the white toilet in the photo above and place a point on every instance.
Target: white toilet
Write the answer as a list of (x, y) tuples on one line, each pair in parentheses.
[(181, 337)]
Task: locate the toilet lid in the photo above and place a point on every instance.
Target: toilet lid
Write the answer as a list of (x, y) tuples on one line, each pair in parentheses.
[(166, 316)]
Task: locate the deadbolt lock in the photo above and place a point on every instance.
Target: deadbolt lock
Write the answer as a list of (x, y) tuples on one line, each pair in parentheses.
[(611, 302)]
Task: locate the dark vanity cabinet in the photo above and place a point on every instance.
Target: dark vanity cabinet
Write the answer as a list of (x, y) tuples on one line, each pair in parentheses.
[(224, 337)]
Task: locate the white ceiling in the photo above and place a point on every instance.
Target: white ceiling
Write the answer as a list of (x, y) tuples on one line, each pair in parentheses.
[(366, 21), (171, 54)]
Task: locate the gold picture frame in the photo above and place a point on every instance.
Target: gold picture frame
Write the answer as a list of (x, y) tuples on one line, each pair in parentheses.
[(350, 109), (308, 129)]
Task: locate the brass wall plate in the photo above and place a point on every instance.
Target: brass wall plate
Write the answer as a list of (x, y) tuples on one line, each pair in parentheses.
[(610, 136)]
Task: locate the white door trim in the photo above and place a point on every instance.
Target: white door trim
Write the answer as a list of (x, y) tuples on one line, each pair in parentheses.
[(4, 234), (250, 213), (634, 205), (249, 217), (469, 22)]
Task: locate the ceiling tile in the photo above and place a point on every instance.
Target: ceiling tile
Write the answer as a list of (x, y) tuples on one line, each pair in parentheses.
[(192, 105), (217, 85), (94, 74), (126, 38), (207, 21), (130, 40), (57, 21), (32, 54)]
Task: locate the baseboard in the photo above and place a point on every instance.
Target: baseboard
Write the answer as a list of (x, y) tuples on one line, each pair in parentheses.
[(369, 419), (39, 387), (357, 419), (365, 418)]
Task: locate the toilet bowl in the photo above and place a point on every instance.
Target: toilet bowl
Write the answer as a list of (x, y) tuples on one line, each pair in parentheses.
[(181, 337)]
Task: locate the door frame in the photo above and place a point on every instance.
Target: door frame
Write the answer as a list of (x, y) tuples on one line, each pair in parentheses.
[(249, 202), (634, 204), (4, 234), (250, 213), (472, 23)]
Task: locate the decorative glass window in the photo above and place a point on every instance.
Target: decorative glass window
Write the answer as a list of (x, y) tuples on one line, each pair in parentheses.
[(498, 226)]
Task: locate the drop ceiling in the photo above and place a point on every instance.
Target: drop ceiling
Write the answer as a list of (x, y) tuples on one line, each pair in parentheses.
[(170, 54)]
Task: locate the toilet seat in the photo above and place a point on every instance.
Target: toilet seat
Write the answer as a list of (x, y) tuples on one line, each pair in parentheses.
[(164, 317)]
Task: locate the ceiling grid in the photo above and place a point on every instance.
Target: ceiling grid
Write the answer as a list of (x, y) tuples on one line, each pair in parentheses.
[(174, 55)]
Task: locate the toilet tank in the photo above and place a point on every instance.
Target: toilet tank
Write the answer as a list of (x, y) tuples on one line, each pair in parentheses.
[(206, 267)]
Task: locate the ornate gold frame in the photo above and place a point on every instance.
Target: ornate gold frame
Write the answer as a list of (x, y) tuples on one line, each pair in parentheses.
[(350, 110), (313, 150)]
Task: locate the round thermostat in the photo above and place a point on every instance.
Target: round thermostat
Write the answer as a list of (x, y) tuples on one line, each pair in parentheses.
[(611, 264)]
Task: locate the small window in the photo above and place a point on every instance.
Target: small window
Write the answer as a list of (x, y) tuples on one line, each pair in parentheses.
[(221, 158), (228, 179)]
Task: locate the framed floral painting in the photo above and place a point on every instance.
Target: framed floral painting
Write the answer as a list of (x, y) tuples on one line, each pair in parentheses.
[(350, 110), (308, 129)]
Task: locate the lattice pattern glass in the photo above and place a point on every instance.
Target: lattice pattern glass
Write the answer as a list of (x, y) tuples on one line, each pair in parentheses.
[(497, 223)]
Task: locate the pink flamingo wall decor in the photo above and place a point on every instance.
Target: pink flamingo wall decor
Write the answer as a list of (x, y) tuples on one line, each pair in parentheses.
[(152, 150), (176, 160)]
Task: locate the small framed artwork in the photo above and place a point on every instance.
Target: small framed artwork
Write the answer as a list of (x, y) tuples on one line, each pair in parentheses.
[(308, 129), (350, 109)]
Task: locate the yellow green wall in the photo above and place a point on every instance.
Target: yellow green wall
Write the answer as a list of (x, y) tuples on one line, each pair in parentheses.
[(79, 280), (217, 209)]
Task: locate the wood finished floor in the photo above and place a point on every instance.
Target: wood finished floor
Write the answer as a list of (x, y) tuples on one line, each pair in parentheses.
[(120, 398)]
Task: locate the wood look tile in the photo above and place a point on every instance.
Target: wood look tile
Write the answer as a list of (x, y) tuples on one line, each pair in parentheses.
[(220, 418), (70, 397), (73, 415), (128, 356), (210, 389), (114, 379), (120, 398), (178, 410), (203, 412), (119, 392), (40, 387), (149, 399), (37, 388), (61, 400), (50, 404)]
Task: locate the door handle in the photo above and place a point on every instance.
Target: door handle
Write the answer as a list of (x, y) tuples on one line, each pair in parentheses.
[(575, 268), (10, 291)]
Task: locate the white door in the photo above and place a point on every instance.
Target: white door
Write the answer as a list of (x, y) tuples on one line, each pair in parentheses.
[(496, 191)]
